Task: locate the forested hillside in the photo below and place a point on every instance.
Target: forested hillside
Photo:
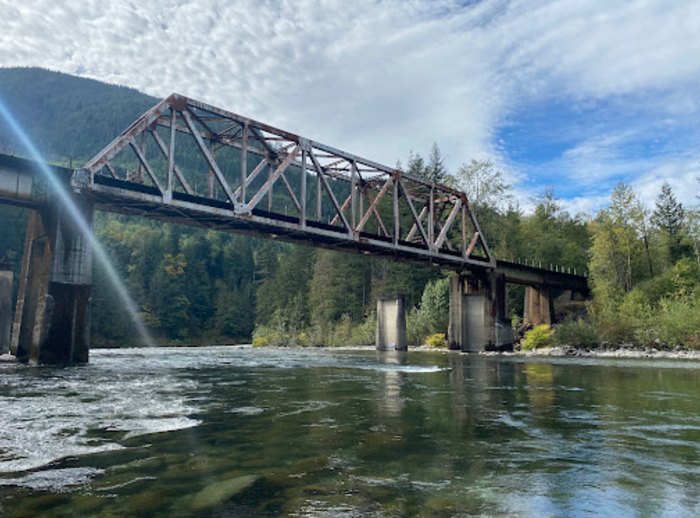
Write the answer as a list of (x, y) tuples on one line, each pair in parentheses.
[(198, 286)]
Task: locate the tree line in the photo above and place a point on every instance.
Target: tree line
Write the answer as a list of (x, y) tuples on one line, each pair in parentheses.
[(199, 286)]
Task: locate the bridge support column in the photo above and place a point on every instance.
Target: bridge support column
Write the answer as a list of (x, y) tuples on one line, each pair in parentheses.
[(539, 306), (6, 276), (477, 313), (52, 320), (391, 324)]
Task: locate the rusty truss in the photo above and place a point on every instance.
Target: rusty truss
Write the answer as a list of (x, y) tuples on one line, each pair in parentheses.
[(188, 162)]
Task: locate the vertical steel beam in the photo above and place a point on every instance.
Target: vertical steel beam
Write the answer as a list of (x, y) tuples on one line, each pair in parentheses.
[(463, 246), (303, 188), (171, 158), (431, 219), (395, 199), (244, 161), (269, 193), (318, 195), (353, 195)]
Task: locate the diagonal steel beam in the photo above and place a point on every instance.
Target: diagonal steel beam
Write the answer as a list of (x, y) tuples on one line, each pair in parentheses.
[(416, 219), (322, 179), (472, 243), (373, 204), (146, 166), (344, 206), (291, 192), (251, 177), (265, 188), (178, 172), (450, 219), (377, 215), (209, 158), (127, 136)]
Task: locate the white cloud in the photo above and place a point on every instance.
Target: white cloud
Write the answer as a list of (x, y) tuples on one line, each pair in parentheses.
[(380, 78)]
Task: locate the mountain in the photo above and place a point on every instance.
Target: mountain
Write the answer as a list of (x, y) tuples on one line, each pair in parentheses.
[(68, 116)]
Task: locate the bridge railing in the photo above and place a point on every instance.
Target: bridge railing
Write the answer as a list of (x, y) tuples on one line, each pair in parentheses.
[(190, 155)]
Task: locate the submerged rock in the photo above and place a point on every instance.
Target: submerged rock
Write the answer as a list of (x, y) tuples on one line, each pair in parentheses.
[(219, 492)]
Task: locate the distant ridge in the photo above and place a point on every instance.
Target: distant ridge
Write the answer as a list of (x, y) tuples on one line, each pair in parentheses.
[(67, 116)]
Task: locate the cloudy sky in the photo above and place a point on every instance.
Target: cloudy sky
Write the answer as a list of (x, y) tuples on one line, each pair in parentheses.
[(574, 94)]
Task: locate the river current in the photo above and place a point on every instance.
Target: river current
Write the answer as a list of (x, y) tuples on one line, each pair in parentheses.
[(235, 431)]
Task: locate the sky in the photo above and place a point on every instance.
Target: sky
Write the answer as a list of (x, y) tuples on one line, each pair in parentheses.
[(576, 95)]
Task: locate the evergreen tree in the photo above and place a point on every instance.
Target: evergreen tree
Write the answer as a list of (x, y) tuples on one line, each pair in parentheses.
[(435, 170), (669, 218), (338, 287), (416, 165)]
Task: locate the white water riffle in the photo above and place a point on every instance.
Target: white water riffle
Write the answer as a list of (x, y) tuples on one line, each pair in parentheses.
[(50, 413)]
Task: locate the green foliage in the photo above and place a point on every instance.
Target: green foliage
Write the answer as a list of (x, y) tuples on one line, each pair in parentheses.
[(437, 340), (192, 285), (484, 184), (68, 116), (432, 314), (338, 287), (663, 309), (578, 333), (538, 337)]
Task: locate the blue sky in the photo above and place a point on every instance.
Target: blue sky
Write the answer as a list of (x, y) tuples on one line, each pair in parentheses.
[(572, 94)]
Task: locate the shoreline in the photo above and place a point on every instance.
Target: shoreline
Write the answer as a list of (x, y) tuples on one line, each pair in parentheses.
[(618, 353), (545, 352)]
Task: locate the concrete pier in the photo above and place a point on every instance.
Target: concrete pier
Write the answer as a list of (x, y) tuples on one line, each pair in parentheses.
[(539, 306), (52, 321), (391, 324), (477, 318), (6, 277)]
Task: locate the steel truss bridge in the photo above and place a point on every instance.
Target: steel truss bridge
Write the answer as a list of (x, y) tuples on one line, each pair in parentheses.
[(187, 162), (184, 161)]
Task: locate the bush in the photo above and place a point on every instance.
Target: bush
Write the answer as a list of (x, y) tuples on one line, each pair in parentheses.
[(578, 333), (437, 340), (679, 323), (539, 336)]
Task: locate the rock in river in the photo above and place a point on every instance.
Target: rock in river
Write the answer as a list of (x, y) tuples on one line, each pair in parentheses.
[(219, 492)]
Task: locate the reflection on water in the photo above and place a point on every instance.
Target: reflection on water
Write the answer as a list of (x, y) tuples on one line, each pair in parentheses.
[(240, 432), (391, 403)]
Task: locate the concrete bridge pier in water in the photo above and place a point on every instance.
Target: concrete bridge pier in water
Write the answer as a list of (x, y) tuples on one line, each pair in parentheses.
[(477, 314), (391, 324), (6, 277), (52, 315)]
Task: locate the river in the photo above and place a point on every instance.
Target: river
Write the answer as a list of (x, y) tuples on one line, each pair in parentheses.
[(230, 431)]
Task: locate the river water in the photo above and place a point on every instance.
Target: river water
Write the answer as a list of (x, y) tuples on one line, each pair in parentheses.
[(227, 431)]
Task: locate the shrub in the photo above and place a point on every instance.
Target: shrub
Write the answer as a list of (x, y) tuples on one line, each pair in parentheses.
[(539, 336), (437, 340), (366, 332), (679, 322), (578, 333)]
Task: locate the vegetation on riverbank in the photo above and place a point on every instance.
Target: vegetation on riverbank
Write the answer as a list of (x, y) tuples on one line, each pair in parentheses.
[(194, 286)]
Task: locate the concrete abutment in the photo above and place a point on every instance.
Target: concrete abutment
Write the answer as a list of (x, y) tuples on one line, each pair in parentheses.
[(52, 316)]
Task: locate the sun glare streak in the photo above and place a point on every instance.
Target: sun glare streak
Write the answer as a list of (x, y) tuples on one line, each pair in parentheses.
[(98, 250)]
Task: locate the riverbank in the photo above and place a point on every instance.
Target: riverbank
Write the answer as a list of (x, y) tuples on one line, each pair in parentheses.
[(677, 353)]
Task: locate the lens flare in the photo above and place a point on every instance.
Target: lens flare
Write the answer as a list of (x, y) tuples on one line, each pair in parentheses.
[(73, 211)]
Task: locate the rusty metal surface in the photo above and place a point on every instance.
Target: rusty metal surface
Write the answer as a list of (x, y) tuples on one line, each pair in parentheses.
[(114, 195), (186, 159)]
